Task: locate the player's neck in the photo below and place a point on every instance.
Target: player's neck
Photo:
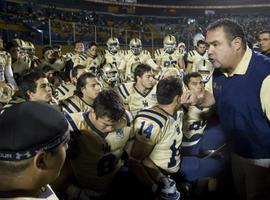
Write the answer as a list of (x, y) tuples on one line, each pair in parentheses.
[(87, 100), (167, 108), (141, 88)]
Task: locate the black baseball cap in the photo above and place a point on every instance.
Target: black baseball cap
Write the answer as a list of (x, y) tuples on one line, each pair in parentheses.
[(30, 127)]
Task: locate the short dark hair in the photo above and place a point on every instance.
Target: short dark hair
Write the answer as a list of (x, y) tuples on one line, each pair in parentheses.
[(82, 82), (108, 103), (140, 70), (201, 42), (231, 28), (28, 82), (74, 71), (45, 49), (92, 44), (188, 76), (263, 31), (167, 89)]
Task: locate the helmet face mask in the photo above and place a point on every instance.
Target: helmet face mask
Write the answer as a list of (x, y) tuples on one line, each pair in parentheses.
[(206, 72), (113, 45), (109, 73), (135, 46), (169, 44)]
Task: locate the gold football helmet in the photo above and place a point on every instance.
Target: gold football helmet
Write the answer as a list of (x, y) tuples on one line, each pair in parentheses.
[(113, 45), (169, 44), (135, 46)]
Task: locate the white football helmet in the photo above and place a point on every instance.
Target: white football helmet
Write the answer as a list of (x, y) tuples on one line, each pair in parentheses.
[(109, 73), (113, 45), (169, 44), (205, 68), (135, 46)]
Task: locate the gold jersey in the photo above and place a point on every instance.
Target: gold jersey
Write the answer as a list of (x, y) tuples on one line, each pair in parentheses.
[(118, 60), (166, 59), (5, 61), (99, 156), (94, 61), (75, 104), (194, 57), (64, 91), (194, 124), (132, 61), (135, 100), (77, 59), (156, 127)]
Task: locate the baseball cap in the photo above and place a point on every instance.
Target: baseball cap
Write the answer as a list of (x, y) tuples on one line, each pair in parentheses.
[(30, 127)]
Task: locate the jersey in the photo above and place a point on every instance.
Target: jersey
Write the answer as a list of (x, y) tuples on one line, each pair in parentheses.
[(135, 100), (118, 60), (194, 124), (194, 57), (75, 104), (78, 59), (94, 62), (99, 153), (132, 61), (21, 64), (167, 60), (64, 91), (156, 127)]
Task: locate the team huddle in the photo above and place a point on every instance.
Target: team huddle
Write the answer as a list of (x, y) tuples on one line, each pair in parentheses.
[(135, 120)]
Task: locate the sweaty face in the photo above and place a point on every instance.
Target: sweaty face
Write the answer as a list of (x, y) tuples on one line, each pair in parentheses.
[(92, 88), (264, 42), (196, 85), (221, 53), (147, 80), (43, 91)]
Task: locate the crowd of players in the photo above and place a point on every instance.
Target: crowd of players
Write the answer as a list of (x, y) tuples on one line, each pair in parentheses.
[(130, 121)]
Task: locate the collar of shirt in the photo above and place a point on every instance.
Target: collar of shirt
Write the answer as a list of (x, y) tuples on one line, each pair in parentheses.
[(242, 66)]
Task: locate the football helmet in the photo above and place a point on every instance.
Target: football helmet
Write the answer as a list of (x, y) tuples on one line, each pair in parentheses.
[(29, 48), (135, 46), (109, 74), (206, 69), (113, 45), (168, 190), (169, 44)]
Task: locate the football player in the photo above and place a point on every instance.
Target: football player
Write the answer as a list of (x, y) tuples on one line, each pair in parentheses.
[(103, 135), (264, 42), (205, 69), (94, 60), (7, 82), (201, 162), (67, 88), (194, 56), (109, 76), (30, 50), (114, 56), (141, 93), (19, 58), (156, 150), (87, 88), (168, 55), (137, 56)]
